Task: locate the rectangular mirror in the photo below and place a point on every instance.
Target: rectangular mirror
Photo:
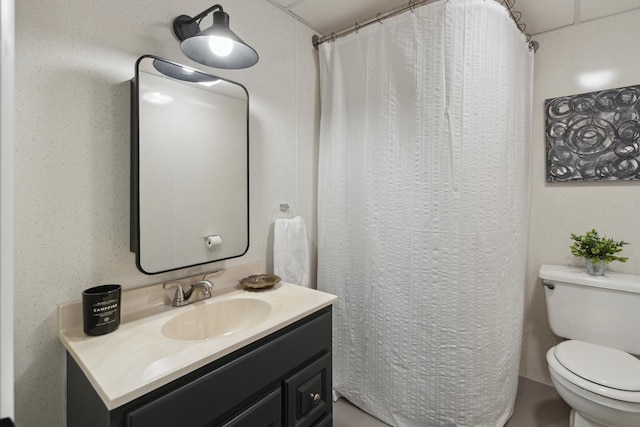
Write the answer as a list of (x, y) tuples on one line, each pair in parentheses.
[(189, 167)]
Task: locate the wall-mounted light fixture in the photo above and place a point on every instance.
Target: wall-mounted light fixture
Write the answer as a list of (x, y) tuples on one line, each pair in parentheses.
[(183, 73), (217, 46)]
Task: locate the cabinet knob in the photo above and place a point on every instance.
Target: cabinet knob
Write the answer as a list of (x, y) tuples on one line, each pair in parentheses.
[(315, 397)]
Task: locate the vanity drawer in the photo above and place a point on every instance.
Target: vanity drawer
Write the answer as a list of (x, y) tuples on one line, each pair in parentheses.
[(265, 413), (326, 421), (308, 393)]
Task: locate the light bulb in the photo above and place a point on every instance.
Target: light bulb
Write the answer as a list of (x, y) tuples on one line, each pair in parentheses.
[(220, 46)]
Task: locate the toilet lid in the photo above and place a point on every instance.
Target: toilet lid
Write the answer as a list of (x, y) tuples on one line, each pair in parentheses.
[(601, 365)]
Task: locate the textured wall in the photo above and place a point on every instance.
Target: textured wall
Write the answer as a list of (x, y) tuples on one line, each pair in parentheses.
[(567, 61), (74, 63)]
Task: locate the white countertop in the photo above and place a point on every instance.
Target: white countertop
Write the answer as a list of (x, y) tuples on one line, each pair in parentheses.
[(137, 358)]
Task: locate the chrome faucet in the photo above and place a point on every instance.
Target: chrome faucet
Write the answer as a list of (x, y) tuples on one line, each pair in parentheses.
[(196, 292)]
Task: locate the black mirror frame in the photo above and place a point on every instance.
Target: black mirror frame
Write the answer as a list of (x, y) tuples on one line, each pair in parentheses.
[(135, 170)]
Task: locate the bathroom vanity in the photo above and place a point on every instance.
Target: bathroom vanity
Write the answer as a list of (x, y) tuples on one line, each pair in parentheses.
[(276, 372)]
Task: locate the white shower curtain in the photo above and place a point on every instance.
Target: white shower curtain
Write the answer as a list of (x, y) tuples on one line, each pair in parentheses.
[(423, 201)]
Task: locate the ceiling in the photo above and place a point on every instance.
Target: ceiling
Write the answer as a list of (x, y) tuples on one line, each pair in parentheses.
[(327, 16)]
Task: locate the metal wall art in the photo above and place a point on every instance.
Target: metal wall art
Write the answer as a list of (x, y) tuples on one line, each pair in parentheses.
[(594, 136)]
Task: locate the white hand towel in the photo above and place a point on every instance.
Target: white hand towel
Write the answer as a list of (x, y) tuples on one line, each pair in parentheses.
[(291, 251)]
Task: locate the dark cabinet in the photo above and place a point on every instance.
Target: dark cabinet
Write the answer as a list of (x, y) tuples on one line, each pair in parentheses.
[(266, 413), (283, 380), (308, 393)]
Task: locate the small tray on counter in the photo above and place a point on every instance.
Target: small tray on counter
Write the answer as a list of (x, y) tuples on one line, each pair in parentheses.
[(260, 281)]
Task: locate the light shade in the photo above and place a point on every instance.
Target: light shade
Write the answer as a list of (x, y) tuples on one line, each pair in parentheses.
[(217, 46), (183, 73)]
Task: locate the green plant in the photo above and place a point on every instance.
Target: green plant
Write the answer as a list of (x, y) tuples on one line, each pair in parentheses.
[(595, 248)]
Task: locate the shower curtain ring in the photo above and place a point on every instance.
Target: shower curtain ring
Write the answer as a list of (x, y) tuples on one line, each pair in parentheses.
[(378, 17), (411, 5), (333, 37), (357, 27)]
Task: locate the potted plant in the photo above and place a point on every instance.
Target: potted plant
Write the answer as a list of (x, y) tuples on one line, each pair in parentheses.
[(597, 251)]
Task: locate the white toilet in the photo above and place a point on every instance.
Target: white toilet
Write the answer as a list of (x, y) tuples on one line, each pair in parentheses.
[(594, 371)]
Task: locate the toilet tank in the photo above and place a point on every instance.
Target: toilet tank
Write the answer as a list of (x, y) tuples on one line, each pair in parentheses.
[(598, 309)]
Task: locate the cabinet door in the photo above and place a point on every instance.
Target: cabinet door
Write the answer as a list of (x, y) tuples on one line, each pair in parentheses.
[(325, 422), (308, 394), (265, 413)]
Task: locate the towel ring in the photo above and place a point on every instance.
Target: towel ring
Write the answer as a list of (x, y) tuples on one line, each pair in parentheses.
[(284, 211)]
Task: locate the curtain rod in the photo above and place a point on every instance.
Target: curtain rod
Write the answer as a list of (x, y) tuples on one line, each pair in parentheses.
[(509, 4)]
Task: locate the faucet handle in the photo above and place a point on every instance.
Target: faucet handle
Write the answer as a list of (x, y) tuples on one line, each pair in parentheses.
[(179, 291), (213, 273)]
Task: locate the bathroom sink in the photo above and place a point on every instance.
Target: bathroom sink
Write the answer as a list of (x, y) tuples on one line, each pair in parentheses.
[(216, 319)]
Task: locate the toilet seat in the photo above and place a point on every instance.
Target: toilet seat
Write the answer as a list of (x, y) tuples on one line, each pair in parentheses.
[(573, 355), (602, 365)]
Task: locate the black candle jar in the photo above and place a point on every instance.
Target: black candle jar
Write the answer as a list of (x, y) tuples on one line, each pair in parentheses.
[(101, 309)]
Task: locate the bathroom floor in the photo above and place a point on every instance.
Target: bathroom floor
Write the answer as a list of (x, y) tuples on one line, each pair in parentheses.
[(537, 405)]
